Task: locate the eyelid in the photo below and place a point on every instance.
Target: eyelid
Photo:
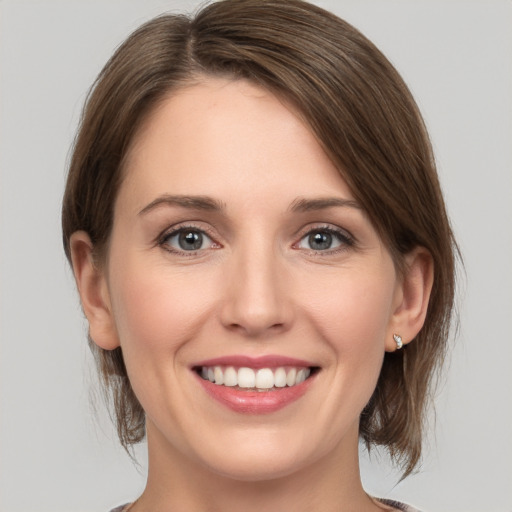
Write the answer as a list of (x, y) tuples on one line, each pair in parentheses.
[(171, 231), (346, 238)]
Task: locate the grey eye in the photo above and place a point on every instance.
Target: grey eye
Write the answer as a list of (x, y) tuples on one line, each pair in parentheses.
[(188, 240), (323, 240), (320, 241)]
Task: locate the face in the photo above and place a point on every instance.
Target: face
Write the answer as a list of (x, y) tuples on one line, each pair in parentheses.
[(238, 255)]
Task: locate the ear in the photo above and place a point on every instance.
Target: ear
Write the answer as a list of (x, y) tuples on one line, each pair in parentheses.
[(94, 293), (412, 297)]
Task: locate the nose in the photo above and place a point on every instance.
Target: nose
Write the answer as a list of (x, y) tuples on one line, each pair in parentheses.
[(257, 301)]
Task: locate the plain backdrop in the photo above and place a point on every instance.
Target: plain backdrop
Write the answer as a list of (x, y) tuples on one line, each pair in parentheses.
[(54, 456)]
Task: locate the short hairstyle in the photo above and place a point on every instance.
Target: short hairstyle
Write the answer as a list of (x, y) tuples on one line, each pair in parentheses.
[(362, 114)]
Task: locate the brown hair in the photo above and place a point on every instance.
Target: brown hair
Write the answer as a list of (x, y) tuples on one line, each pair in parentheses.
[(362, 114)]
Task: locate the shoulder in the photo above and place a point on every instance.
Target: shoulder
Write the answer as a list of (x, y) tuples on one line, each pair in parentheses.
[(402, 507), (396, 505)]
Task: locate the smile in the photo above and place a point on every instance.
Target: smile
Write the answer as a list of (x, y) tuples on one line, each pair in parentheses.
[(260, 385), (261, 379)]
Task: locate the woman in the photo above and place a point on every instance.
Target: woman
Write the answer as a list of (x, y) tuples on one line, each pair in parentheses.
[(262, 252)]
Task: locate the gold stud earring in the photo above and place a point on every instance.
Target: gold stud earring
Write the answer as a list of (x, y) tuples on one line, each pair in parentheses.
[(398, 341)]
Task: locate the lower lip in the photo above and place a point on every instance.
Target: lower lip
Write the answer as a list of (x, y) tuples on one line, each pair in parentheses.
[(255, 402)]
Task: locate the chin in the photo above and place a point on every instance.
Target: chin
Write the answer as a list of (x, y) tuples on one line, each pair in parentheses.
[(258, 469), (256, 456)]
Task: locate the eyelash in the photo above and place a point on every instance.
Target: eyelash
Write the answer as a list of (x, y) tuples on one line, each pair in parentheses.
[(345, 239), (163, 240)]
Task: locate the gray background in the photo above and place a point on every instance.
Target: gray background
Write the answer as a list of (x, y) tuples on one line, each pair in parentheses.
[(457, 58)]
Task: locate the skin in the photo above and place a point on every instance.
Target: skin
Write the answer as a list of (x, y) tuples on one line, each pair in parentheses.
[(255, 287)]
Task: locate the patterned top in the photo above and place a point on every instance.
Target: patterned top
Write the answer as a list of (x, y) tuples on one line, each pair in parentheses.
[(399, 506), (402, 507)]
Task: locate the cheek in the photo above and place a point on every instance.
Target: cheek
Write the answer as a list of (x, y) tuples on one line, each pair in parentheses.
[(354, 311), (156, 310), (352, 317)]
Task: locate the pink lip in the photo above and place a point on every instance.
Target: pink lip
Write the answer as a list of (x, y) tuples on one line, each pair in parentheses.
[(255, 402), (269, 361)]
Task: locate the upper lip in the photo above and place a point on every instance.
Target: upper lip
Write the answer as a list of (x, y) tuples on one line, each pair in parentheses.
[(267, 361)]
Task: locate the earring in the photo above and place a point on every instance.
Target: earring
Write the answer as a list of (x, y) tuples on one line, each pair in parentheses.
[(398, 341)]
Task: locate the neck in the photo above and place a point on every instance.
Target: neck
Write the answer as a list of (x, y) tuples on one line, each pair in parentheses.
[(176, 482)]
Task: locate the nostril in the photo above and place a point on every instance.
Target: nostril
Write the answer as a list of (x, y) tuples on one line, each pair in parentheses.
[(257, 327)]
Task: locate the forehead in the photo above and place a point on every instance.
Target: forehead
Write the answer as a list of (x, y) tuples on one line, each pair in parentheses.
[(223, 137)]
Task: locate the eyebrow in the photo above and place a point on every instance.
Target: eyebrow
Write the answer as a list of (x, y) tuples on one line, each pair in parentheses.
[(308, 205), (191, 202), (206, 203)]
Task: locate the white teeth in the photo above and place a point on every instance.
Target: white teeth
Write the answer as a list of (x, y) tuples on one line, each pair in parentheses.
[(230, 377), (290, 378), (263, 378), (280, 378), (219, 376), (246, 378)]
